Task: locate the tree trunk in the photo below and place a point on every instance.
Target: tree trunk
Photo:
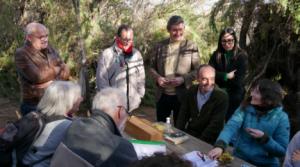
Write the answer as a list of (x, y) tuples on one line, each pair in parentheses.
[(247, 19), (83, 74)]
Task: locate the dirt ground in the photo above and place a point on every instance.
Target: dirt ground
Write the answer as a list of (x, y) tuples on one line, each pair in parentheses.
[(8, 112)]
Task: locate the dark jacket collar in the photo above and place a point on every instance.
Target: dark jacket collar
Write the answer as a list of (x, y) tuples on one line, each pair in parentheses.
[(104, 119)]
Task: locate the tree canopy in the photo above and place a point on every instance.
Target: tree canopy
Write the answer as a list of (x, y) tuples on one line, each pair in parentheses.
[(268, 31)]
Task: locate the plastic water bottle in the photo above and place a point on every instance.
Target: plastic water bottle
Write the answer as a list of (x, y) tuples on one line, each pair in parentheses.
[(168, 127)]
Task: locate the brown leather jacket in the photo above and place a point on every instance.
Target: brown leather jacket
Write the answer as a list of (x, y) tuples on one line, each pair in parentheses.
[(36, 70), (186, 67)]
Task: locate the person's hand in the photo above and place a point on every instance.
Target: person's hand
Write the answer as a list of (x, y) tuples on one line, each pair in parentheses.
[(215, 153), (65, 72), (296, 155), (177, 81), (162, 81), (231, 74), (255, 132)]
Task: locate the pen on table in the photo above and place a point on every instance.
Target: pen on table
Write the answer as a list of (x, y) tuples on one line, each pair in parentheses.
[(201, 156)]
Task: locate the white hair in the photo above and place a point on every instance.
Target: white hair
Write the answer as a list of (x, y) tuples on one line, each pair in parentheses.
[(33, 27), (59, 98), (108, 99)]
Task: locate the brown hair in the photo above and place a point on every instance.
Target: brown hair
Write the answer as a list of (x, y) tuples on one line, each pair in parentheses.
[(174, 20), (271, 93)]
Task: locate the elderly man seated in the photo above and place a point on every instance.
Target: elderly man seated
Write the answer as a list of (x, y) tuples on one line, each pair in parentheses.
[(203, 113), (97, 141)]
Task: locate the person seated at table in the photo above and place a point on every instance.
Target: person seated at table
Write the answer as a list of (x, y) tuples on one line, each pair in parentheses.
[(261, 125), (97, 141), (292, 156), (203, 113), (162, 160), (60, 101)]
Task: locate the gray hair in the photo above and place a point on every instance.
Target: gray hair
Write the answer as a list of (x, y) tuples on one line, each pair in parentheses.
[(59, 98), (108, 99), (33, 27)]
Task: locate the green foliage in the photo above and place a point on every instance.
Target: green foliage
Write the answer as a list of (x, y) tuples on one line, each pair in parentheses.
[(149, 98), (293, 7), (272, 32), (100, 19)]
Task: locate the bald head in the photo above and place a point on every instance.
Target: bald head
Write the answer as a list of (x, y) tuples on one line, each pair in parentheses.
[(206, 67), (206, 78), (37, 35)]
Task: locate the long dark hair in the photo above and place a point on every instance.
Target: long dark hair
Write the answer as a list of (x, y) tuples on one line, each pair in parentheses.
[(220, 50), (271, 93)]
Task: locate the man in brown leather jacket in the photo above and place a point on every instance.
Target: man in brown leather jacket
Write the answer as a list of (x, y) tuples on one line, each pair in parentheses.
[(174, 66), (37, 64)]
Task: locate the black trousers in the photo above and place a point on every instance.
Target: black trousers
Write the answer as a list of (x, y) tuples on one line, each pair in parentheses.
[(235, 100), (165, 105)]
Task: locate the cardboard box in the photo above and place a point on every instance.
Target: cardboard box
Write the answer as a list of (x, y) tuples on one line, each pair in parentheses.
[(142, 129)]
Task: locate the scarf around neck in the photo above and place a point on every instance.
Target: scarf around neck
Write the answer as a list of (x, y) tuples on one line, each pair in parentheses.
[(126, 51)]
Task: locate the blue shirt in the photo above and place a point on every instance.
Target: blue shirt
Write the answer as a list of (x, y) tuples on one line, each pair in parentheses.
[(202, 99)]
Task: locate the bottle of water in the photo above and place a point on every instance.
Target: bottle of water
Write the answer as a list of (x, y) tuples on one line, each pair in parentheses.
[(168, 128)]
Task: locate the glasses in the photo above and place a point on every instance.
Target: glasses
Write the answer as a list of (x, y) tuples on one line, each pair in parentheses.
[(127, 40), (126, 110), (228, 41), (41, 37)]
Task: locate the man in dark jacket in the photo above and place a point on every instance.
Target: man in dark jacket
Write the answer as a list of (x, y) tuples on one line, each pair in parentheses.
[(37, 64), (97, 141), (203, 113)]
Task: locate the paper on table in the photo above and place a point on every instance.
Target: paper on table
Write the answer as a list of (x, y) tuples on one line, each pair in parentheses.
[(148, 148), (200, 160)]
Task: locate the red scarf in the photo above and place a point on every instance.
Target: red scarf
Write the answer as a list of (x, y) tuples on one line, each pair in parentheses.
[(121, 46)]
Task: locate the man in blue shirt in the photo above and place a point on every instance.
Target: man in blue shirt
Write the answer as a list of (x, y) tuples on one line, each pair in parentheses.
[(203, 112)]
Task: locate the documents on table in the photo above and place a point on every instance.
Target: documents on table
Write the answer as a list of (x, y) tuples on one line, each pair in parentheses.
[(199, 159), (148, 148)]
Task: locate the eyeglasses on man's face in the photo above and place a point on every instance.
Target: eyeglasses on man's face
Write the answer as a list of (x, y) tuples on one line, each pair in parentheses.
[(126, 40), (126, 110), (40, 37)]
